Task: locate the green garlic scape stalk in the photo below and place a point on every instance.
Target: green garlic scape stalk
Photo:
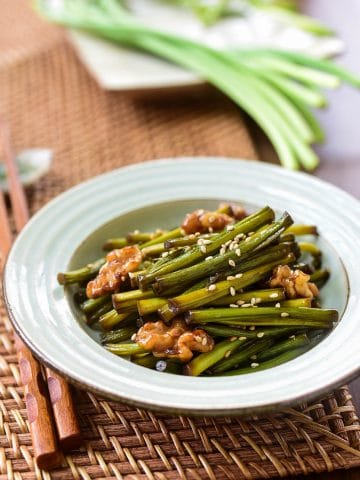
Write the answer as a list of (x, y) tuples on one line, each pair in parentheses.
[(211, 11), (277, 89)]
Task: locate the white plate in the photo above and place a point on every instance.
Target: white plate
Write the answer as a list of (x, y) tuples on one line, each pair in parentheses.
[(118, 68), (155, 194)]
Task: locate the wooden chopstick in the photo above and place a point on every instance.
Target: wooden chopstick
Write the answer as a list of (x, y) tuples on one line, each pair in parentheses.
[(63, 408), (5, 233), (37, 403)]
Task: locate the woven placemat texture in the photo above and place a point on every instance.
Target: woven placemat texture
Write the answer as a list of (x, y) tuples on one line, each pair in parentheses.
[(50, 101)]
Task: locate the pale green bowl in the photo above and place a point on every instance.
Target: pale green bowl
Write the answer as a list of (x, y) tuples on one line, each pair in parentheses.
[(157, 194)]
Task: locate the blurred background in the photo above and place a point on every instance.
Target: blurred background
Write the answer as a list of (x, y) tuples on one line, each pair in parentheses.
[(24, 38)]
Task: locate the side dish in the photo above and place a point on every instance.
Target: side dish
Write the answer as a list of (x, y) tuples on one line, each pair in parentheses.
[(224, 293)]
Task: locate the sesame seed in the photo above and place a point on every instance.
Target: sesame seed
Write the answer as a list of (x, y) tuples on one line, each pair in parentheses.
[(229, 228), (209, 258), (232, 291), (227, 243), (227, 354), (211, 229), (292, 337), (253, 300), (246, 305), (284, 314), (206, 242), (133, 337), (203, 249), (247, 239), (240, 302), (136, 232), (251, 233), (222, 251), (273, 295), (253, 357), (204, 341), (212, 219), (230, 277), (123, 278), (260, 334), (187, 248), (165, 254), (232, 263), (254, 365), (233, 305), (258, 300), (242, 339), (197, 234), (200, 241), (238, 275), (231, 246), (191, 236), (252, 327), (232, 339), (240, 236), (212, 287), (198, 338), (238, 252), (277, 305)]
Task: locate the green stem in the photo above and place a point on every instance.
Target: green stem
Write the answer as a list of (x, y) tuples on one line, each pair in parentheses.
[(254, 296), (95, 315), (120, 335), (228, 331), (206, 360), (162, 238), (274, 362), (242, 355), (124, 349), (291, 343), (205, 296), (265, 316), (300, 229), (112, 318), (114, 243), (82, 274), (92, 304), (195, 254), (150, 305), (128, 301)]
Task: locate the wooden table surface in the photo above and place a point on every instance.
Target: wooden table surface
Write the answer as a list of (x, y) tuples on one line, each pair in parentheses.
[(341, 154)]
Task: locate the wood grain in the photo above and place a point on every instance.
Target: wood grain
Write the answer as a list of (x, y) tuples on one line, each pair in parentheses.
[(67, 424), (42, 429)]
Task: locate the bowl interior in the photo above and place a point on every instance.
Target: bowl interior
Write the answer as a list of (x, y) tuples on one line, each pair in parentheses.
[(170, 214)]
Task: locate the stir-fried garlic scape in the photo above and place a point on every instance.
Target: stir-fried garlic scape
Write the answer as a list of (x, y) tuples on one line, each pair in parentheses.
[(225, 293)]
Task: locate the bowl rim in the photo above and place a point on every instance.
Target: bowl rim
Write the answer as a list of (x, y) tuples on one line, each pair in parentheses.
[(172, 166)]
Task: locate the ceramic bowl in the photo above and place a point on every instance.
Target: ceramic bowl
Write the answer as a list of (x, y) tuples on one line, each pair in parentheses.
[(69, 231)]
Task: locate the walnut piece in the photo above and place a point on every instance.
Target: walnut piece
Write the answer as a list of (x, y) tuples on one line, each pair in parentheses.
[(295, 282), (174, 341), (204, 221), (111, 275), (235, 211)]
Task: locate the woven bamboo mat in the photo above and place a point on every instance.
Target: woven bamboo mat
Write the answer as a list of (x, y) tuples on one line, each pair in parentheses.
[(50, 101)]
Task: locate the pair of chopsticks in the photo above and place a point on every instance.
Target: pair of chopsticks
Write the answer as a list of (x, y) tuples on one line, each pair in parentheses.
[(47, 439)]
